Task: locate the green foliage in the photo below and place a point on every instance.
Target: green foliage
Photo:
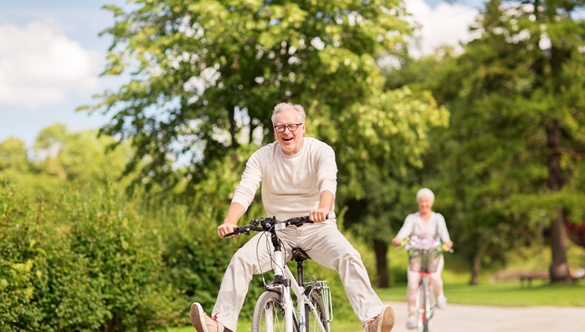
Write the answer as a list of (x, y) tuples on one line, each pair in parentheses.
[(80, 156), (81, 261), (13, 155), (19, 260), (59, 156), (205, 75), (510, 161)]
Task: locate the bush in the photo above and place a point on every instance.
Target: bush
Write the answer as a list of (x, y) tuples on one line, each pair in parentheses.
[(82, 261), (20, 257)]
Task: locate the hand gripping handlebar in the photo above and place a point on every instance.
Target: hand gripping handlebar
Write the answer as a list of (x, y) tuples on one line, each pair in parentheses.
[(269, 224)]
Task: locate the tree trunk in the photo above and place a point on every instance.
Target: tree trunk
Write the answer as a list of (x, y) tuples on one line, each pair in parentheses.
[(475, 269), (559, 268), (381, 250)]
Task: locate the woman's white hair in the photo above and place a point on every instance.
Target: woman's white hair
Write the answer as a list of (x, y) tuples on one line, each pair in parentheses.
[(425, 192)]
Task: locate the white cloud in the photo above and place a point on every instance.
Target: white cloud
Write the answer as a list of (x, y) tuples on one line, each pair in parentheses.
[(39, 65), (445, 24)]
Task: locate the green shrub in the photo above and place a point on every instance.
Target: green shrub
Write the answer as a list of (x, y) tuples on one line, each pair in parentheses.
[(81, 261), (20, 258)]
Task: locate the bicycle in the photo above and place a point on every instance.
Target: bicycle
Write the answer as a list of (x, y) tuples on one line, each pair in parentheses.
[(423, 258), (274, 310)]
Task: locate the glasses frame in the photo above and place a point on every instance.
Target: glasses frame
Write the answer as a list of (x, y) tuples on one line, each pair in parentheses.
[(285, 127)]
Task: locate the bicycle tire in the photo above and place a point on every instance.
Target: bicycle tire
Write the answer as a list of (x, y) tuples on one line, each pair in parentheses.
[(311, 324), (423, 307), (269, 314)]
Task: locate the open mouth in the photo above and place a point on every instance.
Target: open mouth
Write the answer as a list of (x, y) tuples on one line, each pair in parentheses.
[(287, 139)]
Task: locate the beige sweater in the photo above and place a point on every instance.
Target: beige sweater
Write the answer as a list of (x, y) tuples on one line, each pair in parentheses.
[(435, 227), (291, 185)]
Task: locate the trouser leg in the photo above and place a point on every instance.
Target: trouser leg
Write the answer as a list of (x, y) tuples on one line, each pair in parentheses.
[(252, 258), (436, 278), (327, 246), (411, 291)]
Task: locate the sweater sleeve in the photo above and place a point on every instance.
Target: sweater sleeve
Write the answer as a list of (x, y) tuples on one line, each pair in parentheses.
[(407, 228), (251, 178), (442, 228), (327, 170)]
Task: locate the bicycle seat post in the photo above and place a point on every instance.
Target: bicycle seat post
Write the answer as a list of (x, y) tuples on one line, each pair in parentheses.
[(300, 272)]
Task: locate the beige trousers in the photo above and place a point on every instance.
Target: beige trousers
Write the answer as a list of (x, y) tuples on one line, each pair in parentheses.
[(324, 243), (413, 280)]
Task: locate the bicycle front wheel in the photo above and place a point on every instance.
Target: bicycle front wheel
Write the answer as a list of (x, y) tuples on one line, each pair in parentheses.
[(423, 307), (269, 314), (312, 324)]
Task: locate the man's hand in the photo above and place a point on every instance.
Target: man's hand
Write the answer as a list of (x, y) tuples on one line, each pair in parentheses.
[(319, 215), (235, 211), (226, 228)]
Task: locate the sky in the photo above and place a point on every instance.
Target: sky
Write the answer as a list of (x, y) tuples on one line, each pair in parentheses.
[(51, 56)]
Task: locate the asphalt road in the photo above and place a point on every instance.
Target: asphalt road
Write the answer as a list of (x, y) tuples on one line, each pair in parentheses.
[(466, 318)]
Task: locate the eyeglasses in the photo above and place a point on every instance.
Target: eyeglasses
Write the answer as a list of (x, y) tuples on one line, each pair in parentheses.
[(292, 127)]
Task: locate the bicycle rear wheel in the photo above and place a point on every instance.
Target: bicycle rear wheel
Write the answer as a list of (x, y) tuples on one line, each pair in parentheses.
[(312, 324), (269, 314)]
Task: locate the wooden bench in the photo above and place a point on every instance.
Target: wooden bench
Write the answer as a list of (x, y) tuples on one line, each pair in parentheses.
[(525, 277)]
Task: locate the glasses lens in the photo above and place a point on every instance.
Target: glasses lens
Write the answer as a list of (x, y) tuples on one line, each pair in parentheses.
[(291, 127)]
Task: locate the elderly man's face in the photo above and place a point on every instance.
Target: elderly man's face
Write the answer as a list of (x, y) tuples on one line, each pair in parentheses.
[(291, 142)]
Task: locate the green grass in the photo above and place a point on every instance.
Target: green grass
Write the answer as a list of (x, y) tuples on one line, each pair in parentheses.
[(505, 294)]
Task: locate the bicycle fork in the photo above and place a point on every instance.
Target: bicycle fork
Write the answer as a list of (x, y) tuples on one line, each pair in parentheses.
[(279, 276)]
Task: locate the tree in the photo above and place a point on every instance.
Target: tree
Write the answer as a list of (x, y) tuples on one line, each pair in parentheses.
[(79, 156), (516, 102), (13, 155), (205, 75), (379, 154)]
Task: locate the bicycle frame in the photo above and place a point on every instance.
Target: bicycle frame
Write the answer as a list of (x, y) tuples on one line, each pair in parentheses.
[(424, 302), (284, 281), (283, 276), (301, 301), (423, 260)]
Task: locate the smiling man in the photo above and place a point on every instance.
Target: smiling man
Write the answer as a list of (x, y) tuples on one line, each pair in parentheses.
[(299, 178)]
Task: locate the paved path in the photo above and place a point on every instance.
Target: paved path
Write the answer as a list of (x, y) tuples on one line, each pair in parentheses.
[(466, 318)]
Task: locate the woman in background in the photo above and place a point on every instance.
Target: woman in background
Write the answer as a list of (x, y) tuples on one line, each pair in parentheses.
[(424, 224)]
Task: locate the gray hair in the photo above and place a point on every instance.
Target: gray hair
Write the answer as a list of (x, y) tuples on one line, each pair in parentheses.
[(425, 192), (287, 106)]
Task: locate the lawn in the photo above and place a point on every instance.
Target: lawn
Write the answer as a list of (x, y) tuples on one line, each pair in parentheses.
[(510, 294)]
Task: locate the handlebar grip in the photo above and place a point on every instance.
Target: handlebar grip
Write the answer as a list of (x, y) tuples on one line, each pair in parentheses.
[(238, 230), (235, 231)]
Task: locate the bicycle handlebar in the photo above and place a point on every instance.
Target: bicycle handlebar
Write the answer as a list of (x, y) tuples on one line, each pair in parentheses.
[(269, 224), (450, 250)]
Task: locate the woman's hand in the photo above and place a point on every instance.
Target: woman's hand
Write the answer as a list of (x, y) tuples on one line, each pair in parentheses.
[(396, 241)]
